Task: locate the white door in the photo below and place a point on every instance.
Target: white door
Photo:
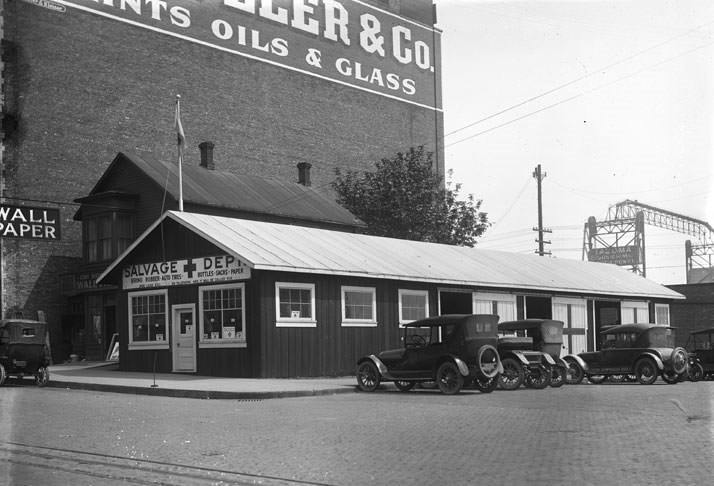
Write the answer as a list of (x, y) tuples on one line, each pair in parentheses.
[(573, 313), (183, 317)]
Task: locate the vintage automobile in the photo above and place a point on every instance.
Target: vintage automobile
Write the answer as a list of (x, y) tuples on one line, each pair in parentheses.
[(700, 347), (530, 353), (645, 351), (454, 351), (23, 350)]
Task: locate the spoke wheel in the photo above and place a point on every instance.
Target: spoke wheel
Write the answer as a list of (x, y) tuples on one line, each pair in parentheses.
[(3, 375), (367, 376), (557, 378), (695, 372), (449, 378), (404, 386), (486, 386), (574, 374), (538, 377), (512, 376), (42, 377), (646, 371), (596, 379)]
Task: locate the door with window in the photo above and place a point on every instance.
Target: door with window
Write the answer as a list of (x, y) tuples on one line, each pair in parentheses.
[(183, 317)]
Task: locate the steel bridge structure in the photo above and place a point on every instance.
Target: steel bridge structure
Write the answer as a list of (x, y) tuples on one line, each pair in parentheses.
[(620, 238)]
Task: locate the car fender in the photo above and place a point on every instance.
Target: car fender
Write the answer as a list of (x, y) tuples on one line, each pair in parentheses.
[(463, 368), (519, 356), (381, 367), (561, 362), (654, 357), (549, 359), (577, 359)]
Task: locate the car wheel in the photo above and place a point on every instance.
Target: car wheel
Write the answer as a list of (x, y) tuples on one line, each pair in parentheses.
[(3, 375), (449, 378), (42, 377), (671, 377), (512, 376), (404, 386), (596, 379), (367, 376), (557, 378), (486, 386), (574, 374), (538, 377), (646, 371), (695, 372)]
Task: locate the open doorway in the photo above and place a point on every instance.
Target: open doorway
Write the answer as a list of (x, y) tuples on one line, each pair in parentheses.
[(538, 307), (455, 302)]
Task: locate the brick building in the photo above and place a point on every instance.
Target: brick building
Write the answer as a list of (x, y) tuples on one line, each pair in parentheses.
[(272, 84)]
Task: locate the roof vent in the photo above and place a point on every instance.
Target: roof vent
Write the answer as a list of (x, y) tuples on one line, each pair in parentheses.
[(207, 155), (304, 173)]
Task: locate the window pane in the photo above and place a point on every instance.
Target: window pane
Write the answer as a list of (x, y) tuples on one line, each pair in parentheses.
[(148, 318), (223, 314), (358, 305), (295, 300), (413, 307)]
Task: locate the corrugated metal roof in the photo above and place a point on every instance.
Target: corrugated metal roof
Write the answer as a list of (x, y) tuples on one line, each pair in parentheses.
[(242, 192), (270, 246)]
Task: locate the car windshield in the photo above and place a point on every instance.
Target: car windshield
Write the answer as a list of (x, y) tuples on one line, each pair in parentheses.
[(661, 337), (702, 342)]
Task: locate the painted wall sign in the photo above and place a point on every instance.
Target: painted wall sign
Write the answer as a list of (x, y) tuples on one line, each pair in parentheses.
[(344, 41), (184, 272), (616, 255), (29, 222)]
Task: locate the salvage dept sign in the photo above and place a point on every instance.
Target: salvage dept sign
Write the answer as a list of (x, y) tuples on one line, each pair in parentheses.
[(183, 272), (344, 41), (31, 223)]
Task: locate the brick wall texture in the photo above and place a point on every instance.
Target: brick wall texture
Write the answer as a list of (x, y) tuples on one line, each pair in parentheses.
[(83, 88)]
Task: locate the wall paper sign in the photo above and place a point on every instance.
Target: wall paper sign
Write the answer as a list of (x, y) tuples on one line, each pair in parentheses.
[(29, 222), (48, 5), (348, 42), (184, 272)]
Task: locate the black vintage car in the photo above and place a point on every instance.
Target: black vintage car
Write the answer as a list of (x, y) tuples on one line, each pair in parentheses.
[(530, 353), (23, 350), (645, 351), (454, 351), (700, 347)]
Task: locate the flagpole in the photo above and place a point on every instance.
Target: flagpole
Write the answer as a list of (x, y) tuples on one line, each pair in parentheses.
[(181, 138)]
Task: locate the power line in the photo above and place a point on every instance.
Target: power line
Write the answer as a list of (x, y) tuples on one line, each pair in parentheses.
[(576, 80), (581, 94)]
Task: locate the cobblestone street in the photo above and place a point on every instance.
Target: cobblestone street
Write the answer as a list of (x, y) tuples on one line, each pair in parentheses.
[(584, 434)]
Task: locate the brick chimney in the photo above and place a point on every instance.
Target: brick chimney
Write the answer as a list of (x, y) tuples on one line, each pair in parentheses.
[(206, 149), (304, 173)]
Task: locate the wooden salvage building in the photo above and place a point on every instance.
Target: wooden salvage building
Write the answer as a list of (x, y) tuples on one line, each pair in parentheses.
[(225, 296)]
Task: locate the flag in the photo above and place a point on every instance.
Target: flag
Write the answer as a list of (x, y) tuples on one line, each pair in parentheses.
[(179, 127)]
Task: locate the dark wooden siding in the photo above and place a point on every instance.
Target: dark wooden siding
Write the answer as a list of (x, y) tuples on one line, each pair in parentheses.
[(328, 349)]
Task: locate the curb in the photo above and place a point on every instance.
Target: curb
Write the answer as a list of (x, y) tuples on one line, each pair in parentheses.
[(199, 394)]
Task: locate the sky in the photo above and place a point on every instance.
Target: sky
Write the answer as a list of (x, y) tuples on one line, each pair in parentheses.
[(614, 99)]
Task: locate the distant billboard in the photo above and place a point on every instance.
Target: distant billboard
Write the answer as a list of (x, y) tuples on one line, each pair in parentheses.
[(616, 255), (344, 41), (29, 222)]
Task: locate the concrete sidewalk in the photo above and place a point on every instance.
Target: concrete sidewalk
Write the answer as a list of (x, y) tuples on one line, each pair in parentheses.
[(104, 376)]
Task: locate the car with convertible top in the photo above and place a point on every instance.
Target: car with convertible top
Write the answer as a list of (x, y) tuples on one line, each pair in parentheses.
[(645, 351), (530, 353), (454, 351)]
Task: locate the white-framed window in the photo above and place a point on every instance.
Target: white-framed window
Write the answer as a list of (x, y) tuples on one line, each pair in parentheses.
[(662, 314), (359, 306), (221, 312), (413, 305), (634, 312), (295, 304), (148, 319)]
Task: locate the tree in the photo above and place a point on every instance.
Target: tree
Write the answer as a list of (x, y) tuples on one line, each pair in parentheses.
[(403, 198)]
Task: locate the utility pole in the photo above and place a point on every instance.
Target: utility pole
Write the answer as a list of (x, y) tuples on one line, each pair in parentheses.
[(539, 176)]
